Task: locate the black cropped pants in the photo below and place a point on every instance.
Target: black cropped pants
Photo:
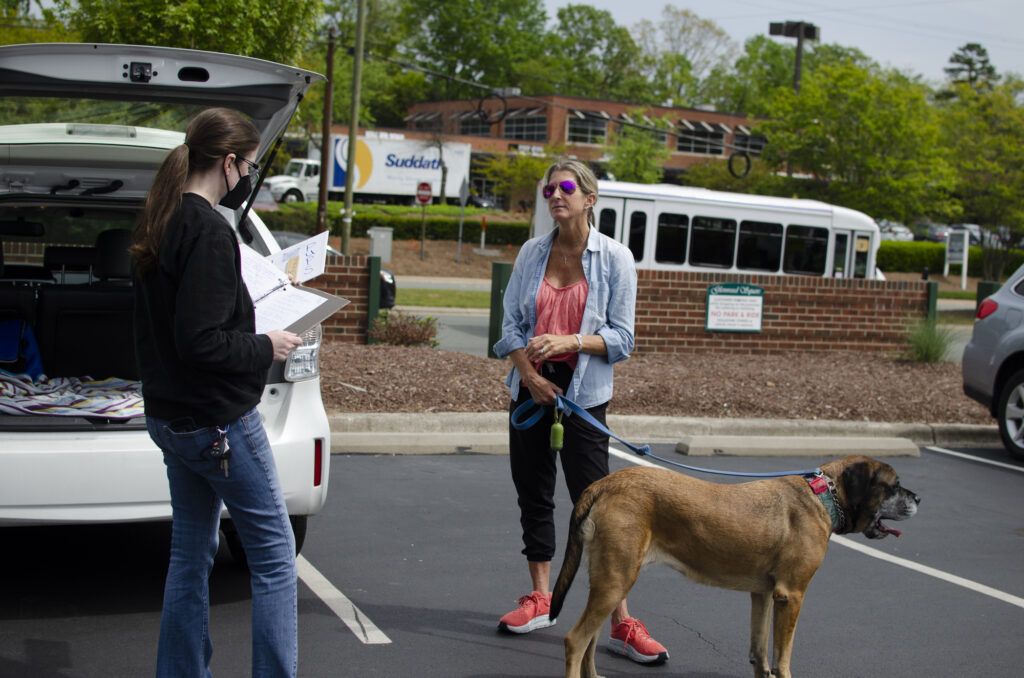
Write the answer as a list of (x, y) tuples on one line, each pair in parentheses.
[(584, 458)]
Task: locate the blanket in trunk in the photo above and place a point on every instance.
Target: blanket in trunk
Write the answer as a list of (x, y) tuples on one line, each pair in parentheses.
[(70, 396)]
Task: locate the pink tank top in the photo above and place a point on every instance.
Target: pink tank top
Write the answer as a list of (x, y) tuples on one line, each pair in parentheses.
[(560, 311)]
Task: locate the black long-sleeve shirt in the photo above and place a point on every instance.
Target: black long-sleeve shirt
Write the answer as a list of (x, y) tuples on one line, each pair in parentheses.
[(198, 353)]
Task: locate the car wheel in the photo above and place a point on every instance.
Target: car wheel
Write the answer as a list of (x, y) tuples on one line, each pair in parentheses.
[(292, 196), (1010, 415), (234, 540)]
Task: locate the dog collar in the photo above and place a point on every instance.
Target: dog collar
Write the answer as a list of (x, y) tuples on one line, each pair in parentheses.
[(825, 490)]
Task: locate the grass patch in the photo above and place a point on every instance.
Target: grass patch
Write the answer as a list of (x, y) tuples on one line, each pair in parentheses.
[(443, 298), (965, 317), (957, 294)]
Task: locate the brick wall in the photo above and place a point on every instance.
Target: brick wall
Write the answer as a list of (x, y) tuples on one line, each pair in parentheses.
[(799, 314), (347, 277)]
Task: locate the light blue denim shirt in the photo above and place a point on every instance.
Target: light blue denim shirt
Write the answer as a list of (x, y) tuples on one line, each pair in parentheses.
[(611, 304)]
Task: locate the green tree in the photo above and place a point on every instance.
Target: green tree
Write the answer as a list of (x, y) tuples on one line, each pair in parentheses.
[(268, 29), (474, 41), (637, 154), (969, 65), (388, 88), (868, 135), (680, 53), (599, 58), (749, 85), (20, 26), (515, 175), (985, 133)]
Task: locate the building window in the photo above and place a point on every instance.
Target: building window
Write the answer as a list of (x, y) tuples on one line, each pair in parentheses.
[(589, 130), (475, 127), (749, 143), (533, 128), (670, 245), (432, 125), (760, 246), (713, 242), (701, 141), (806, 250)]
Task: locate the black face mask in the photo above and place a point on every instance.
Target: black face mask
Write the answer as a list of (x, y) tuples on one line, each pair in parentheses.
[(237, 195)]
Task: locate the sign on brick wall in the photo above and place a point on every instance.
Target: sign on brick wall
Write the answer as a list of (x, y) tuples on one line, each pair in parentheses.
[(734, 307)]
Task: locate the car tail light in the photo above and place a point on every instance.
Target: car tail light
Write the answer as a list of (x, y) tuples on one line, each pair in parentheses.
[(304, 362), (987, 308), (318, 461)]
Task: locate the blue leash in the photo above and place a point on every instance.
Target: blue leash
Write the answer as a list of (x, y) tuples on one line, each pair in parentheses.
[(521, 421)]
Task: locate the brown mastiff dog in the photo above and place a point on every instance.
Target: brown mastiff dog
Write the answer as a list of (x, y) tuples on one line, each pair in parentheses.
[(768, 537)]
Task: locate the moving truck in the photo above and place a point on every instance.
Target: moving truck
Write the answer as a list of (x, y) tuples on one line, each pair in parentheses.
[(387, 169)]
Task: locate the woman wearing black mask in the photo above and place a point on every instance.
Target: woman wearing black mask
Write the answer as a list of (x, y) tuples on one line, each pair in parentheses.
[(203, 370)]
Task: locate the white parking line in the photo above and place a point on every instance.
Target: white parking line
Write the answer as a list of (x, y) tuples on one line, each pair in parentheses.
[(930, 571), (882, 555), (354, 619), (952, 453)]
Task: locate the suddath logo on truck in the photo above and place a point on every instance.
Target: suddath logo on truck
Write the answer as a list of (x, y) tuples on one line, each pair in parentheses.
[(397, 166), (413, 162)]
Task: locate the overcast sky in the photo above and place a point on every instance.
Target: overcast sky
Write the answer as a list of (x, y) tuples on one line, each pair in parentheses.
[(914, 35)]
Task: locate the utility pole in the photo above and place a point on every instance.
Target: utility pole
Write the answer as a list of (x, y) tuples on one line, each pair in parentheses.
[(798, 30), (353, 126), (325, 142)]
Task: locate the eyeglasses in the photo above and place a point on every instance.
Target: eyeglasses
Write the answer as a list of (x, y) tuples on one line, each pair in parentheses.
[(254, 169), (568, 187)]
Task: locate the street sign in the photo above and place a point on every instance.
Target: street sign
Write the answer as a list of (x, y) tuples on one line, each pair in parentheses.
[(956, 253), (463, 192), (423, 193)]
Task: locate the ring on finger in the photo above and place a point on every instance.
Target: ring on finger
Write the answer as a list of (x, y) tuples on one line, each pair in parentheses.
[(542, 349)]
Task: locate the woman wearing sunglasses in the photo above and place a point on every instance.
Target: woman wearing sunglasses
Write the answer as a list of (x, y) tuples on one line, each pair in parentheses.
[(569, 309)]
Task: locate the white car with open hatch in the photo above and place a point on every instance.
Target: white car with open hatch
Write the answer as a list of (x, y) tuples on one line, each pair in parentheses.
[(83, 129)]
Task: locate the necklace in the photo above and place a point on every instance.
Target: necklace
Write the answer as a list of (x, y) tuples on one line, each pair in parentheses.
[(561, 249)]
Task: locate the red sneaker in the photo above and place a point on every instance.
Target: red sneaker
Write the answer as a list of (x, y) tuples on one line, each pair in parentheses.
[(630, 638), (532, 614)]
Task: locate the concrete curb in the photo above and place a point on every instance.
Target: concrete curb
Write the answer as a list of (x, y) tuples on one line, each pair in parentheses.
[(487, 433)]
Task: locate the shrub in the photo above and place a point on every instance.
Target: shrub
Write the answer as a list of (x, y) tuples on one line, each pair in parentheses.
[(912, 257), (929, 342), (301, 218), (399, 329)]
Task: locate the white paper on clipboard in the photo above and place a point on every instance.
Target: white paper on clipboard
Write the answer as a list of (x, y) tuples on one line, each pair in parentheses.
[(280, 305), (305, 260)]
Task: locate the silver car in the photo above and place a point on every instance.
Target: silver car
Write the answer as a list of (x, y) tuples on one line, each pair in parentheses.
[(993, 361)]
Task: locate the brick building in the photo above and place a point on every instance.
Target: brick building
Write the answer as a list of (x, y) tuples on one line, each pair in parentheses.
[(584, 126)]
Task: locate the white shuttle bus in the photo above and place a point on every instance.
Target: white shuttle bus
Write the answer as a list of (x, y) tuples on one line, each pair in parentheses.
[(682, 228)]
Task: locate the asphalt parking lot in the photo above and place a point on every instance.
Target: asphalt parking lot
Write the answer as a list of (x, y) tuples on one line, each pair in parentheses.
[(414, 558)]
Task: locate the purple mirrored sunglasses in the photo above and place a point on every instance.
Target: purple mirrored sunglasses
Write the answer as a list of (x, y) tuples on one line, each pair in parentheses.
[(568, 187)]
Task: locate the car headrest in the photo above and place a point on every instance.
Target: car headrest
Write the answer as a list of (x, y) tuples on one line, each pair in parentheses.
[(112, 257)]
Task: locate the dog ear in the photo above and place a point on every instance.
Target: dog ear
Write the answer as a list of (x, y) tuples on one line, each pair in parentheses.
[(858, 488)]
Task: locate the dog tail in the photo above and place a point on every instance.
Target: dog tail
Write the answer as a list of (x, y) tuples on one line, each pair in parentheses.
[(573, 550)]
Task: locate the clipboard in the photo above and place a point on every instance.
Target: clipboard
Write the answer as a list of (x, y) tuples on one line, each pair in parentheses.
[(331, 305), (279, 304)]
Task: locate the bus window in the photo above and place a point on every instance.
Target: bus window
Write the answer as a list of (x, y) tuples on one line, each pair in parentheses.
[(712, 242), (670, 242), (760, 246), (606, 223), (637, 231), (860, 256), (839, 256), (806, 250)]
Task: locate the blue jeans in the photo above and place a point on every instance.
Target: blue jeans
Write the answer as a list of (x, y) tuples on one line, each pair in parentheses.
[(252, 494)]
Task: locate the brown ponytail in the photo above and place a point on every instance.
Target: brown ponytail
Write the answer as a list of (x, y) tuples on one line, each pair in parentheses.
[(211, 135)]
